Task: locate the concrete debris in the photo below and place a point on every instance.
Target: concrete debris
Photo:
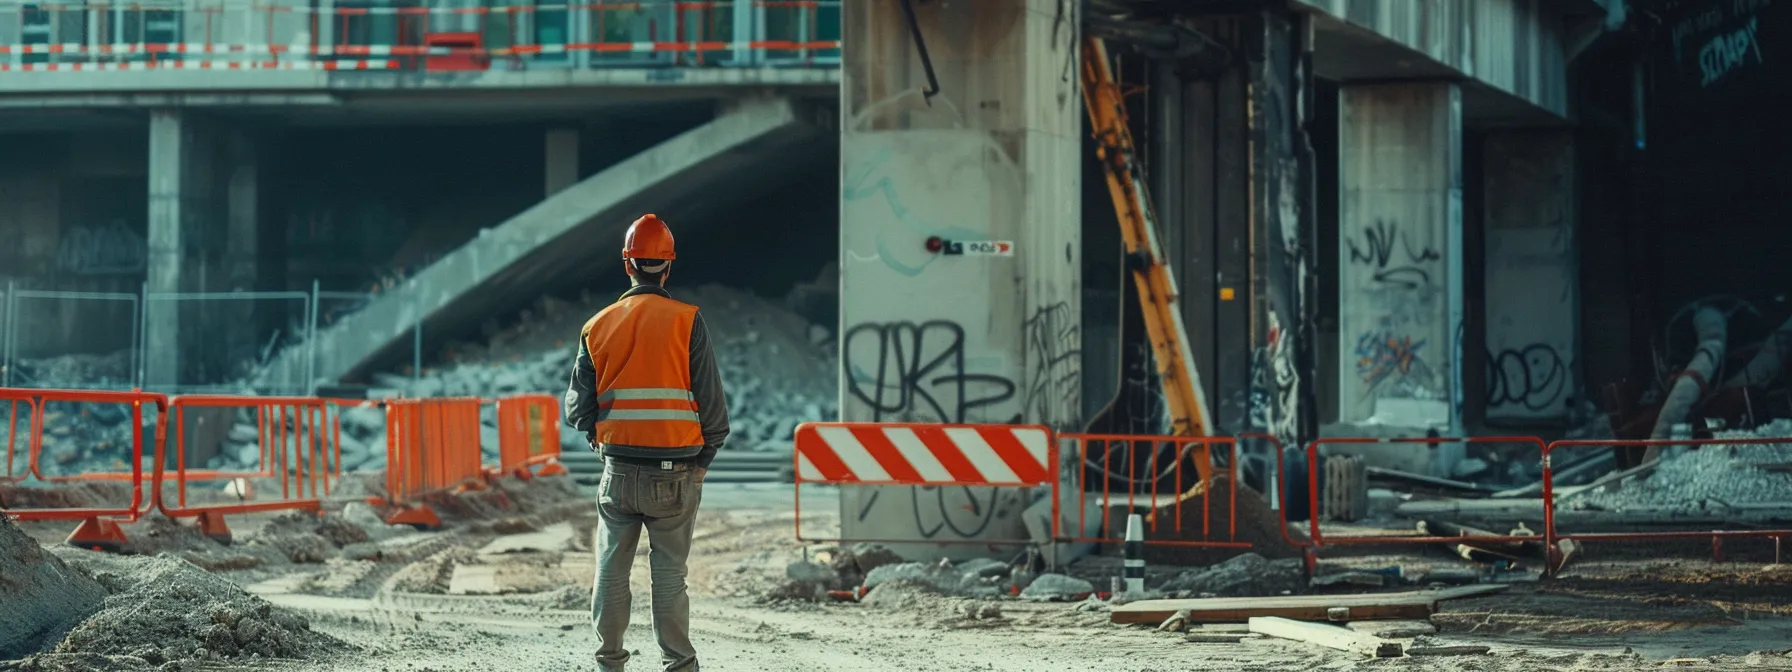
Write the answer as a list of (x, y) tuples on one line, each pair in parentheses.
[(869, 556), (1057, 588), (43, 597), (1691, 480), (307, 538), (966, 580), (979, 610), (164, 609), (1247, 575)]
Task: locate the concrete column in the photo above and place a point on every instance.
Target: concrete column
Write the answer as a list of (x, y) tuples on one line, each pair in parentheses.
[(242, 245), (1532, 277), (993, 160), (562, 159), (161, 334), (1400, 271)]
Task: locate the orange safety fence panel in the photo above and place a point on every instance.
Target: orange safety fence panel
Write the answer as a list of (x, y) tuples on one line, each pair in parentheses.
[(1154, 475), (922, 454), (298, 449), (529, 436), (99, 524), (1733, 513), (432, 447)]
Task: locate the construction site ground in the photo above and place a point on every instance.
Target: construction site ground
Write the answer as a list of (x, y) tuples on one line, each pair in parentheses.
[(421, 604)]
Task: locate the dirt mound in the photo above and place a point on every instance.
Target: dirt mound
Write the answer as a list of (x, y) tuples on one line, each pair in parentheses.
[(76, 662), (96, 494), (40, 596), (165, 609)]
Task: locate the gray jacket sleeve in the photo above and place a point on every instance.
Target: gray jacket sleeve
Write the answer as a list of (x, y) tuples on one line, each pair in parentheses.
[(706, 387), (581, 394)]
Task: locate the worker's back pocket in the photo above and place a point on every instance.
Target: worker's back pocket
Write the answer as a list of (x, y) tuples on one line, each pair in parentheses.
[(665, 495)]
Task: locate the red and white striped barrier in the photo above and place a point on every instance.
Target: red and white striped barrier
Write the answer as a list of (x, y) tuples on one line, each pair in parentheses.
[(872, 453)]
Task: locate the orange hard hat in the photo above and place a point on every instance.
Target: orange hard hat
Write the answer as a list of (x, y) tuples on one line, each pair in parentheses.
[(648, 238)]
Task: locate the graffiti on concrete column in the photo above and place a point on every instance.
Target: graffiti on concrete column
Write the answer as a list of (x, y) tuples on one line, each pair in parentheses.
[(1396, 260), (112, 249), (1275, 381), (1393, 365), (1534, 377), (908, 372), (1055, 365)]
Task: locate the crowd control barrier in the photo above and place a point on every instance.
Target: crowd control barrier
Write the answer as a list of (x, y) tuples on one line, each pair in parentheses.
[(1552, 533), (922, 454), (98, 528), (299, 446), (432, 446), (529, 436), (1147, 475)]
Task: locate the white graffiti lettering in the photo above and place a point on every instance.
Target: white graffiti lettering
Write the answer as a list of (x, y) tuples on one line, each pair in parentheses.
[(1724, 53)]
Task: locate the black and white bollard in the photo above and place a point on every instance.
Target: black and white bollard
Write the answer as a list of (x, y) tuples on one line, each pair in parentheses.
[(1132, 552)]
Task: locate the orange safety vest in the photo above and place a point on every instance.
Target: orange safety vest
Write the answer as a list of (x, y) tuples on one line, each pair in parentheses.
[(640, 347)]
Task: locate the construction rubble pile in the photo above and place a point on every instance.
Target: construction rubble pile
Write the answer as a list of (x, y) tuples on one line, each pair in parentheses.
[(1711, 477), (88, 611)]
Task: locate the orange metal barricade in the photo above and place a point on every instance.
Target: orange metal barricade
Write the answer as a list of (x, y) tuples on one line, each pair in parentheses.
[(1552, 535), (1150, 473), (99, 525), (298, 448), (432, 447), (1320, 540), (925, 455), (529, 436)]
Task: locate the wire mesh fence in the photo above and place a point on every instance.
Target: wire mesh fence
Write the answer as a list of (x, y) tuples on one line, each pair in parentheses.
[(168, 342)]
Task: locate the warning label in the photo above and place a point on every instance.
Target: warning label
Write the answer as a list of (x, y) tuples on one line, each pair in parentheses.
[(989, 248)]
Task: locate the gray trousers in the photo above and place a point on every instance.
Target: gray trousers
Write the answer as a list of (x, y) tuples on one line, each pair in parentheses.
[(664, 500)]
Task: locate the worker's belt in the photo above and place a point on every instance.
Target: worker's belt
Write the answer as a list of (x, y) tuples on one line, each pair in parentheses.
[(656, 462), (606, 404)]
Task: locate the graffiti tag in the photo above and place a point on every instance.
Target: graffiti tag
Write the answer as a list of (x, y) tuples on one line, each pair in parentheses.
[(102, 250), (1377, 249), (1533, 376), (1054, 350), (911, 372)]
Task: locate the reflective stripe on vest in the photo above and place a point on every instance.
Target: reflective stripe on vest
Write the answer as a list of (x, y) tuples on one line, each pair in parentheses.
[(608, 411)]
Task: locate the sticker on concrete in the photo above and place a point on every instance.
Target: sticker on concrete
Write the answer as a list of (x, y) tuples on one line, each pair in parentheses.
[(989, 248)]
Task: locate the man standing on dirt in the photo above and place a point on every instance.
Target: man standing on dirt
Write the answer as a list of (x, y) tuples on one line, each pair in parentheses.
[(646, 392)]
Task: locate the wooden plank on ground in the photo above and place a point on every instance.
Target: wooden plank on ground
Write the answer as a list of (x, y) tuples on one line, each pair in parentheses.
[(1329, 636), (1407, 605), (1393, 629)]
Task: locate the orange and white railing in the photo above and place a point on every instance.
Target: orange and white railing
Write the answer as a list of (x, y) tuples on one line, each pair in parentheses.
[(121, 36)]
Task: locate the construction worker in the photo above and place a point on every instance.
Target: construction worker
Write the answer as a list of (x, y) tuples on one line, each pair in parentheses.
[(646, 392)]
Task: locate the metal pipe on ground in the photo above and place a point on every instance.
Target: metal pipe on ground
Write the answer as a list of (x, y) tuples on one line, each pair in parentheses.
[(1691, 383)]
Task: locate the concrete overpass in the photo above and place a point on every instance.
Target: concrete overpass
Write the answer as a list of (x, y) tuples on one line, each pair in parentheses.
[(570, 236)]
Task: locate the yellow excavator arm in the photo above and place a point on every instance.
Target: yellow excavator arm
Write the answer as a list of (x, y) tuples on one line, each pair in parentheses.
[(1150, 272)]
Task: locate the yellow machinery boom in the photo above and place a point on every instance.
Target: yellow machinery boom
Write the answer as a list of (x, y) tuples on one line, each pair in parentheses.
[(1157, 288)]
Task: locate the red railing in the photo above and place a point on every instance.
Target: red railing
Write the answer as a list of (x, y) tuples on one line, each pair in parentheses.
[(99, 524), (1552, 533), (1151, 473), (298, 446), (1314, 513), (259, 36)]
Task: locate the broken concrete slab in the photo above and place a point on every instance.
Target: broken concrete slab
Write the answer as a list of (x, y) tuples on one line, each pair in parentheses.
[(1393, 629), (1059, 588), (1329, 636)]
